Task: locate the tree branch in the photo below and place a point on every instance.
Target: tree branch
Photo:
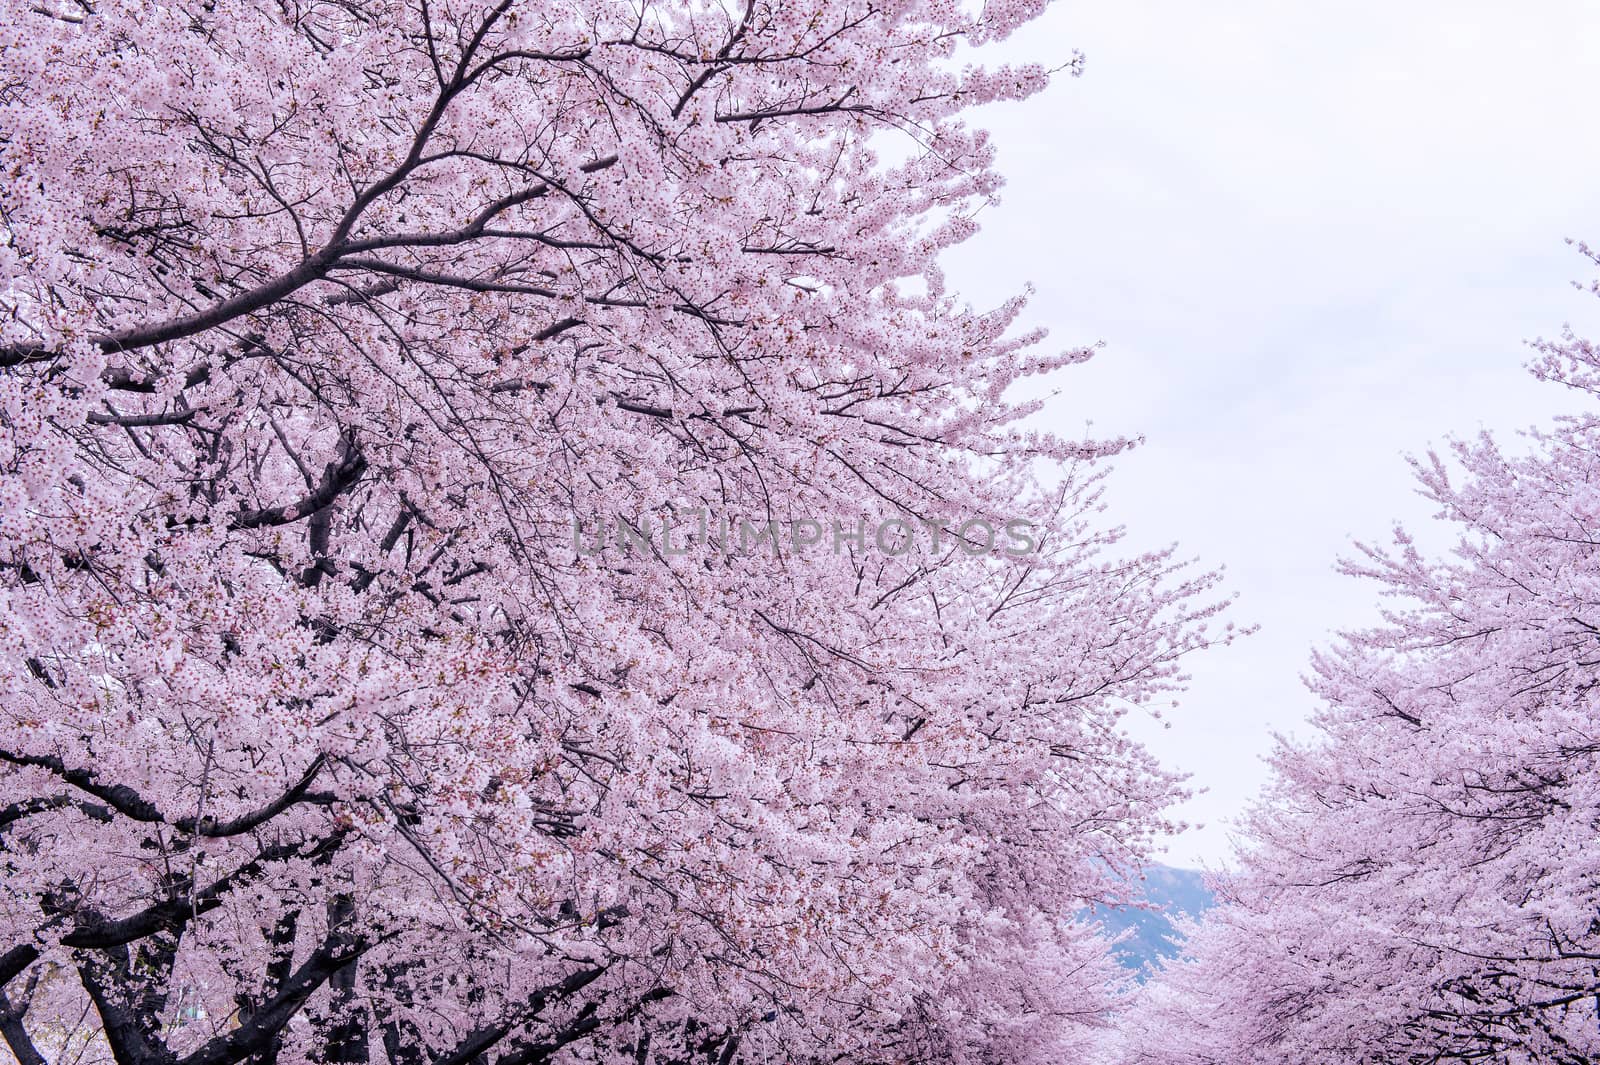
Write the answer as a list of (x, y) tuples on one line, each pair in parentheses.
[(339, 475)]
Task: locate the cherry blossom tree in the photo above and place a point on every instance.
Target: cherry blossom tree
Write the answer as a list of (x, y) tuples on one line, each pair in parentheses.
[(1422, 882), (325, 736)]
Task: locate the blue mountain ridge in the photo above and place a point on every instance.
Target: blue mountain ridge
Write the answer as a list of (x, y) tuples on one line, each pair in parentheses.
[(1151, 932)]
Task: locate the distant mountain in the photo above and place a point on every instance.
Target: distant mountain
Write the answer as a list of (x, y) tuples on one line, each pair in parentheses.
[(1171, 891)]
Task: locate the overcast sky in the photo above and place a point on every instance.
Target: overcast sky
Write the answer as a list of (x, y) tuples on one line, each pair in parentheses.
[(1314, 239)]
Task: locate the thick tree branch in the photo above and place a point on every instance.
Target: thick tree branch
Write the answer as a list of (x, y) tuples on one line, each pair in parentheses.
[(98, 933), (131, 804), (486, 1039), (15, 960), (16, 1034), (340, 475), (262, 1027)]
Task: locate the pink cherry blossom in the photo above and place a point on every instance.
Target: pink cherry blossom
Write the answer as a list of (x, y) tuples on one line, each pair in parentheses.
[(1421, 882), (321, 322)]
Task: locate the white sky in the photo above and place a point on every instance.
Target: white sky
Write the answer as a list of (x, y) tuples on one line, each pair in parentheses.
[(1314, 239)]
